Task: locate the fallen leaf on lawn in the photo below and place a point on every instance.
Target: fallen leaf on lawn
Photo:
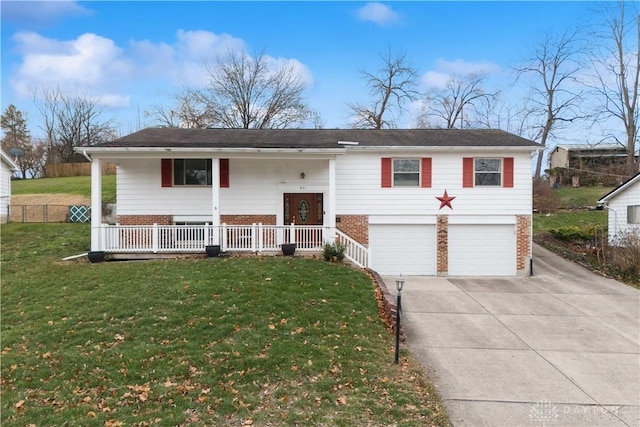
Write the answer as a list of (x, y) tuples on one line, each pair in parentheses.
[(247, 422), (267, 279), (91, 414), (112, 423), (272, 326), (46, 355), (283, 321), (119, 337), (341, 400), (19, 406)]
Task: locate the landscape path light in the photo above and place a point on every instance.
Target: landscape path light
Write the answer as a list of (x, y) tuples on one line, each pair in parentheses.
[(399, 285)]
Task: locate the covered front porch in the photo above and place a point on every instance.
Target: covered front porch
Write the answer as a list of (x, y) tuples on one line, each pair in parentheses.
[(254, 238)]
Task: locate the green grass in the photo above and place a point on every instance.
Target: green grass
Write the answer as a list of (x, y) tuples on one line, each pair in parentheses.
[(574, 203), (80, 185), (581, 197), (278, 341), (582, 219)]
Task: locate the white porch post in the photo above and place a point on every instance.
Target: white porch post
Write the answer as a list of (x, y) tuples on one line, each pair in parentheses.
[(215, 200), (96, 204), (331, 203)]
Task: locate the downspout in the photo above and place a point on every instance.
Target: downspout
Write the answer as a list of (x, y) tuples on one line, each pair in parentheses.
[(86, 156)]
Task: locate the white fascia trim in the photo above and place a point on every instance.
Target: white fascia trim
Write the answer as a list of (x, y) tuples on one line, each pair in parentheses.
[(468, 149), (619, 190), (261, 153)]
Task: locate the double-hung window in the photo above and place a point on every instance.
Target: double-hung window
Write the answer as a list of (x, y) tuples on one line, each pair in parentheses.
[(406, 172), (192, 172), (488, 172)]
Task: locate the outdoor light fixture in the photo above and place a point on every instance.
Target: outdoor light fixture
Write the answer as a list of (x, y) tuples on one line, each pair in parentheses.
[(302, 175), (399, 285)]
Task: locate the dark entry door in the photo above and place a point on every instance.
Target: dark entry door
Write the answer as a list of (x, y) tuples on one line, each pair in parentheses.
[(303, 208)]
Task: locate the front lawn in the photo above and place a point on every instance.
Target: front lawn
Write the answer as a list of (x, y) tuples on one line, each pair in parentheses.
[(238, 341)]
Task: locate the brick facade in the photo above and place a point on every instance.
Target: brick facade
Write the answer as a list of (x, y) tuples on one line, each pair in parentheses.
[(145, 219), (442, 232), (248, 219), (523, 242), (355, 226)]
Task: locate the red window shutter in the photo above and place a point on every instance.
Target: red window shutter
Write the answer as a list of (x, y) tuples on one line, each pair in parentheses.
[(426, 173), (224, 173), (386, 172), (507, 165), (166, 166), (467, 172)]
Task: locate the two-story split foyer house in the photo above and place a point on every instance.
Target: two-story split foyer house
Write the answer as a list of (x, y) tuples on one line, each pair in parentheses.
[(410, 201)]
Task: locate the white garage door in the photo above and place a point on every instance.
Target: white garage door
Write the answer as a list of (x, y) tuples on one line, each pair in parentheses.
[(482, 250), (408, 249)]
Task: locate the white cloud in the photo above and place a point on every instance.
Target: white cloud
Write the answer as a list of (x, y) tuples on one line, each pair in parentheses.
[(91, 64), (37, 13), (445, 69), (87, 63), (183, 62), (378, 13)]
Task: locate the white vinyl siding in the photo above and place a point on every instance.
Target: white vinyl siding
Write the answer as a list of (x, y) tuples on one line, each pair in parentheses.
[(618, 211), (255, 189), (408, 249), (5, 190), (482, 250), (358, 190)]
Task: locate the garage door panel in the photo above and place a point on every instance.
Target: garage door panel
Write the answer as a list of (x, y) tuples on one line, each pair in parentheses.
[(482, 250), (409, 249)]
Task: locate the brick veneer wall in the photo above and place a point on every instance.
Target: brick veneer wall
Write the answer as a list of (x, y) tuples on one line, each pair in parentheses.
[(442, 232), (248, 219), (355, 226), (523, 242), (145, 219)]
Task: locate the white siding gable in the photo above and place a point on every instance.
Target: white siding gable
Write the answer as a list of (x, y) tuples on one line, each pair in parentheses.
[(617, 210)]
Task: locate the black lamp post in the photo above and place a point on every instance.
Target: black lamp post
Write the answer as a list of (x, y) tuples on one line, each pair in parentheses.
[(399, 284)]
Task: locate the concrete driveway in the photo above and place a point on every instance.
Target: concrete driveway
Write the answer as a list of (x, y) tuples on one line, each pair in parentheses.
[(561, 348)]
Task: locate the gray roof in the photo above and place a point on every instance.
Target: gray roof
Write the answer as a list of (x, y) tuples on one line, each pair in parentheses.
[(317, 138)]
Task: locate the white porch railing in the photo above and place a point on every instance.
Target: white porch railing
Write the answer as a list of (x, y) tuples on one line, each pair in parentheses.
[(354, 251), (231, 238)]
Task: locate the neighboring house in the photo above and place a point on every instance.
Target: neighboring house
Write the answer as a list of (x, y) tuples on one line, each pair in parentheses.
[(415, 201), (623, 206), (602, 164), (7, 168)]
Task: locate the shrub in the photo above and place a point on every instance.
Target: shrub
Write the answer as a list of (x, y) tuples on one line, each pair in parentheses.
[(573, 233), (334, 252), (545, 199), (625, 257)]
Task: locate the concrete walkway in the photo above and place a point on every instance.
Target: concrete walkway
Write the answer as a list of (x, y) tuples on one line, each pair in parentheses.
[(561, 348)]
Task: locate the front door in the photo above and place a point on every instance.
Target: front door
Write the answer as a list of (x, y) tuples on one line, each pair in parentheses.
[(303, 208)]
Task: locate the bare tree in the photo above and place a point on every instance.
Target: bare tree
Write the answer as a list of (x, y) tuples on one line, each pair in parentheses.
[(390, 88), (190, 110), (253, 93), (616, 67), (70, 122), (555, 93), (447, 106)]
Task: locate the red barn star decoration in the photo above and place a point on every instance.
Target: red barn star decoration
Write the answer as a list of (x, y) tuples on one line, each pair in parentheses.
[(445, 200)]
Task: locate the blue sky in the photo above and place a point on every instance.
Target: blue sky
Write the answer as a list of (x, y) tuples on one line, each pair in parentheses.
[(131, 55)]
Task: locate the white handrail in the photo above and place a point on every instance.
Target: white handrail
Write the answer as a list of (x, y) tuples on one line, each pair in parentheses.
[(354, 251)]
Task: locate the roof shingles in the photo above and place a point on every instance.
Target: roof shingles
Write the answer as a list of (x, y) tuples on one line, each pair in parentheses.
[(317, 138)]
